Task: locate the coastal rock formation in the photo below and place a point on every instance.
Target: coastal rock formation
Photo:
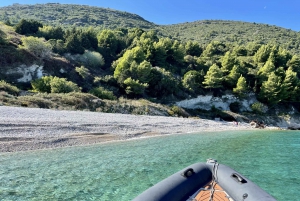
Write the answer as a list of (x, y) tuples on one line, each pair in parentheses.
[(257, 124), (27, 73), (294, 126), (222, 103)]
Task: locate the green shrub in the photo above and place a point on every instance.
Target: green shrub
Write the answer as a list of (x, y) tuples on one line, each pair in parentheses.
[(49, 84), (86, 97), (73, 102), (83, 72), (42, 84), (178, 111), (102, 93), (37, 46), (134, 86), (34, 101), (2, 37), (192, 80), (259, 108), (6, 99), (61, 85), (28, 27), (13, 90), (92, 59), (106, 80)]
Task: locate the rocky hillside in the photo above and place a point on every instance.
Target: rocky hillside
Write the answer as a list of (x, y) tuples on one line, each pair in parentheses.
[(203, 31), (234, 32), (20, 66), (73, 15)]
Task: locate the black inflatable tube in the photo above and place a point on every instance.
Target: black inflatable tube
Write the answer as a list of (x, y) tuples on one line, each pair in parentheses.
[(239, 187), (180, 186)]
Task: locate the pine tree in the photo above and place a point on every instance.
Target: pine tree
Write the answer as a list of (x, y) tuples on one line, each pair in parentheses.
[(128, 65), (192, 80), (233, 76), (107, 41), (241, 87), (214, 48), (143, 71), (290, 84), (213, 78), (294, 63), (73, 45), (178, 52), (252, 48), (28, 26), (270, 91), (193, 49), (280, 72), (262, 53), (267, 69), (240, 50), (228, 61), (282, 57), (159, 54)]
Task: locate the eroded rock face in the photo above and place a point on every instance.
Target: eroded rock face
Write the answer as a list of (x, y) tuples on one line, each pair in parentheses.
[(206, 102), (27, 73)]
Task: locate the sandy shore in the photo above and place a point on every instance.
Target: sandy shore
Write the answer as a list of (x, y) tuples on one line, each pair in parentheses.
[(24, 129)]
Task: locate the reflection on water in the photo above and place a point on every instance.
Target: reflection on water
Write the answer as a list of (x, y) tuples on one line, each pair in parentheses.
[(122, 170)]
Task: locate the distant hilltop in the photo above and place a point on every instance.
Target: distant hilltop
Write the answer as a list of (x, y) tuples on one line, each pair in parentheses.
[(69, 14), (202, 31)]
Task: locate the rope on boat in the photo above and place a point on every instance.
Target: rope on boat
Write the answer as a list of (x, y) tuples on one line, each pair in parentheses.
[(214, 182), (214, 179)]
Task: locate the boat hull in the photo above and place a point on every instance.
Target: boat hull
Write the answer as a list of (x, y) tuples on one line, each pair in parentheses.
[(185, 183)]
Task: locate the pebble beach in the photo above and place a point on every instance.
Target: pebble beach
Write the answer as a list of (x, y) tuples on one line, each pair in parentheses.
[(23, 129)]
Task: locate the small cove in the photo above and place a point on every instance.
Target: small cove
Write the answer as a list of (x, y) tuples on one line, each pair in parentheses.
[(121, 170)]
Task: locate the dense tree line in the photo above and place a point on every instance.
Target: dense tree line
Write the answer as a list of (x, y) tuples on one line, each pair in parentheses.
[(234, 32), (138, 63), (203, 32)]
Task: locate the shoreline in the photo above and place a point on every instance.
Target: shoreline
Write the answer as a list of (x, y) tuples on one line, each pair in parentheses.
[(27, 144), (24, 129)]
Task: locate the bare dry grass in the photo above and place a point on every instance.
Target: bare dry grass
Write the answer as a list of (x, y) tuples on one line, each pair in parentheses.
[(86, 101)]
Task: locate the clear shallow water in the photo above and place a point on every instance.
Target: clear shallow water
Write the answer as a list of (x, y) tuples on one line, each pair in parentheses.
[(122, 170)]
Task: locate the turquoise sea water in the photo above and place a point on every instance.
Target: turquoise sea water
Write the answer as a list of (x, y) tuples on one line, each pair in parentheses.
[(122, 170)]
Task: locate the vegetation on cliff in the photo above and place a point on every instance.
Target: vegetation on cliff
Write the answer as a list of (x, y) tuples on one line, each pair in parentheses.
[(127, 61)]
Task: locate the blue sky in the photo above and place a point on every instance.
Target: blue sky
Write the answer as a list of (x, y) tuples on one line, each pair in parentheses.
[(283, 13)]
